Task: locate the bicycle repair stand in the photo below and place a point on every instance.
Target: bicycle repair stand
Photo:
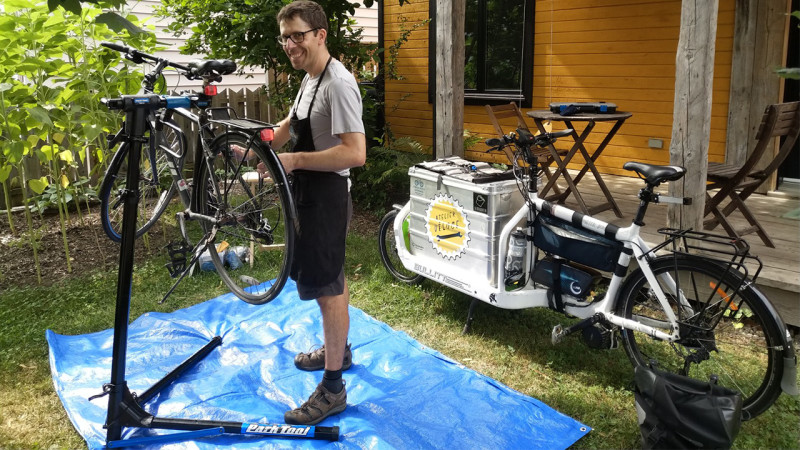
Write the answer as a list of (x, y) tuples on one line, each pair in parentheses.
[(124, 407)]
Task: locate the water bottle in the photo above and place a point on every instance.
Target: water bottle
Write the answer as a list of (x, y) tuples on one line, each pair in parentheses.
[(515, 260), (235, 256)]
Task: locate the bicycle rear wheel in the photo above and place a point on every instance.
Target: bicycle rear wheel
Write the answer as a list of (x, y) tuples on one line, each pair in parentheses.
[(388, 249), (726, 330), (156, 189), (253, 229)]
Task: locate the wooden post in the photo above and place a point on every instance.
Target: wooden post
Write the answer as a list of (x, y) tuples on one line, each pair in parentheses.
[(741, 129), (691, 123), (771, 37), (449, 95), (759, 39)]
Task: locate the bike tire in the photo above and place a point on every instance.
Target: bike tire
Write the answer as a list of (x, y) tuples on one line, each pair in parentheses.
[(387, 246), (254, 217), (728, 329), (154, 195)]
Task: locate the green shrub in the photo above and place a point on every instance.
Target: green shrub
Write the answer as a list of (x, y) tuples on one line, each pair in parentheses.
[(383, 180)]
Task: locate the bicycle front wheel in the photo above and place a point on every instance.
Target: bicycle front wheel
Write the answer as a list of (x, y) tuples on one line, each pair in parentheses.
[(725, 328), (156, 189), (388, 248), (253, 227)]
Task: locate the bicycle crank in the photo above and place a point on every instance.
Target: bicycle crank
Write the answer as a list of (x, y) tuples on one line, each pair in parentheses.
[(597, 332)]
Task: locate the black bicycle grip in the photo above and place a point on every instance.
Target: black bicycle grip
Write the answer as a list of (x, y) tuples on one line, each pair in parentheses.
[(494, 142), (326, 433), (562, 133), (117, 47)]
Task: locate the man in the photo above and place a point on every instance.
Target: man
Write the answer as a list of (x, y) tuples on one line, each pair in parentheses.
[(327, 139)]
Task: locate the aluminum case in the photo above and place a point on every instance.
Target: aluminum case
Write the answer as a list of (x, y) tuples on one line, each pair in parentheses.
[(456, 216)]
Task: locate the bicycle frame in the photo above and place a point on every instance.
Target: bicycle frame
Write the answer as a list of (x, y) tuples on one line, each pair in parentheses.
[(205, 134), (532, 297)]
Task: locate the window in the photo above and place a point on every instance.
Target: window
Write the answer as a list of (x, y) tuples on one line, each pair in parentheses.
[(498, 44)]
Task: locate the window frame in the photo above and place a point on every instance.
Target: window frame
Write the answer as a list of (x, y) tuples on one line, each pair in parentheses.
[(524, 96)]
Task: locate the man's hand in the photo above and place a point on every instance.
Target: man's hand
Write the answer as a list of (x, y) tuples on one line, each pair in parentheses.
[(240, 152), (289, 161)]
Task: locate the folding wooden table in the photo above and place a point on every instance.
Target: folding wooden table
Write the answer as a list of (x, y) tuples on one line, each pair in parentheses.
[(539, 117)]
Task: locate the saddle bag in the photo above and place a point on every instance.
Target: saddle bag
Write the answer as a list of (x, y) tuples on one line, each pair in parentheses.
[(675, 411)]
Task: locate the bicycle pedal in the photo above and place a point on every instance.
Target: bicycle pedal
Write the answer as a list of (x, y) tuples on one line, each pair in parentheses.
[(177, 258), (557, 335), (249, 280)]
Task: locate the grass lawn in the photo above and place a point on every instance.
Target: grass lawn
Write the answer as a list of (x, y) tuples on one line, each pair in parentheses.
[(512, 347)]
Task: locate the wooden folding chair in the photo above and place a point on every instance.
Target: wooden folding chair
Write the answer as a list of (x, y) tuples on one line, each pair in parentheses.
[(543, 156), (738, 182)]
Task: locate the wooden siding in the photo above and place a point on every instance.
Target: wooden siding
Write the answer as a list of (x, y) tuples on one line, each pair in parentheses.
[(584, 50), (367, 20), (408, 112)]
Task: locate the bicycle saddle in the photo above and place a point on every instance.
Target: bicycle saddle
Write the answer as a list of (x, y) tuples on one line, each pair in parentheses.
[(655, 175), (207, 66)]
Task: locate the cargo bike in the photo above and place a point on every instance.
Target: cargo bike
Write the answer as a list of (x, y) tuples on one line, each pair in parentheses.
[(690, 303)]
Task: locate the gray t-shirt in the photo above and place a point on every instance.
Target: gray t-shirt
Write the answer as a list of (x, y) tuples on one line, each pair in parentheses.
[(337, 107)]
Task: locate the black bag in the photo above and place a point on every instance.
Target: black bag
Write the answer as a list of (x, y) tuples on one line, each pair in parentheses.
[(557, 237), (680, 412)]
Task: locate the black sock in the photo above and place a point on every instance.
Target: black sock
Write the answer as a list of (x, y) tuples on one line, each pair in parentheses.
[(332, 380)]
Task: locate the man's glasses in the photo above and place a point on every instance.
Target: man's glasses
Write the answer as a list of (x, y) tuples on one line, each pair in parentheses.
[(296, 37)]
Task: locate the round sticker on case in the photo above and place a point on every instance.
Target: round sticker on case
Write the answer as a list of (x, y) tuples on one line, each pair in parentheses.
[(447, 226)]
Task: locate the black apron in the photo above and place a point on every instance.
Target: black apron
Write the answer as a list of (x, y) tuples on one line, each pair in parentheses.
[(322, 199)]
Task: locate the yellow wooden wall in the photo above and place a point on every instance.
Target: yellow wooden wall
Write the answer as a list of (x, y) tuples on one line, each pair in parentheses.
[(408, 112), (618, 51)]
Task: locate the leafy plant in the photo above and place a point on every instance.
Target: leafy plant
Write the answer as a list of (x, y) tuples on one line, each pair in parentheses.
[(383, 180), (471, 139), (54, 75)]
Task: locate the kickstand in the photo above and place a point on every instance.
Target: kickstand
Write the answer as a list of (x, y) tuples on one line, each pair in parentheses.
[(468, 325)]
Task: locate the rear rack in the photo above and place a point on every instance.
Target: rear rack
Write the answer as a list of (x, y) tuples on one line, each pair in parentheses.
[(226, 116), (730, 252)]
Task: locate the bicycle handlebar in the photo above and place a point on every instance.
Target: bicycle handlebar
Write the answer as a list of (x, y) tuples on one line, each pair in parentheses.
[(524, 138), (142, 55), (211, 68)]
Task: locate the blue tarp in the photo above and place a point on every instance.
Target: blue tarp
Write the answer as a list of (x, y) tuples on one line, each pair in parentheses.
[(400, 394)]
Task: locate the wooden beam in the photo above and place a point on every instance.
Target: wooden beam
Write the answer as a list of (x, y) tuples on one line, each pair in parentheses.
[(741, 129), (449, 95), (759, 46), (694, 75)]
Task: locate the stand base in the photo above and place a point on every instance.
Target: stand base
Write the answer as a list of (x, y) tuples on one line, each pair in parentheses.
[(130, 413)]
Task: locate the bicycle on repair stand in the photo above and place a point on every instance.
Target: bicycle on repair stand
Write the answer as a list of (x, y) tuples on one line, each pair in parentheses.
[(238, 211), (691, 305)]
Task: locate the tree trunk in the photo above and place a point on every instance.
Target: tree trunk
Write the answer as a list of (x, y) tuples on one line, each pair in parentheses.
[(694, 75)]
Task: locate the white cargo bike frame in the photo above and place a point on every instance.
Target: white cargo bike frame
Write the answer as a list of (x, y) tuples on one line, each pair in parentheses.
[(530, 296)]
